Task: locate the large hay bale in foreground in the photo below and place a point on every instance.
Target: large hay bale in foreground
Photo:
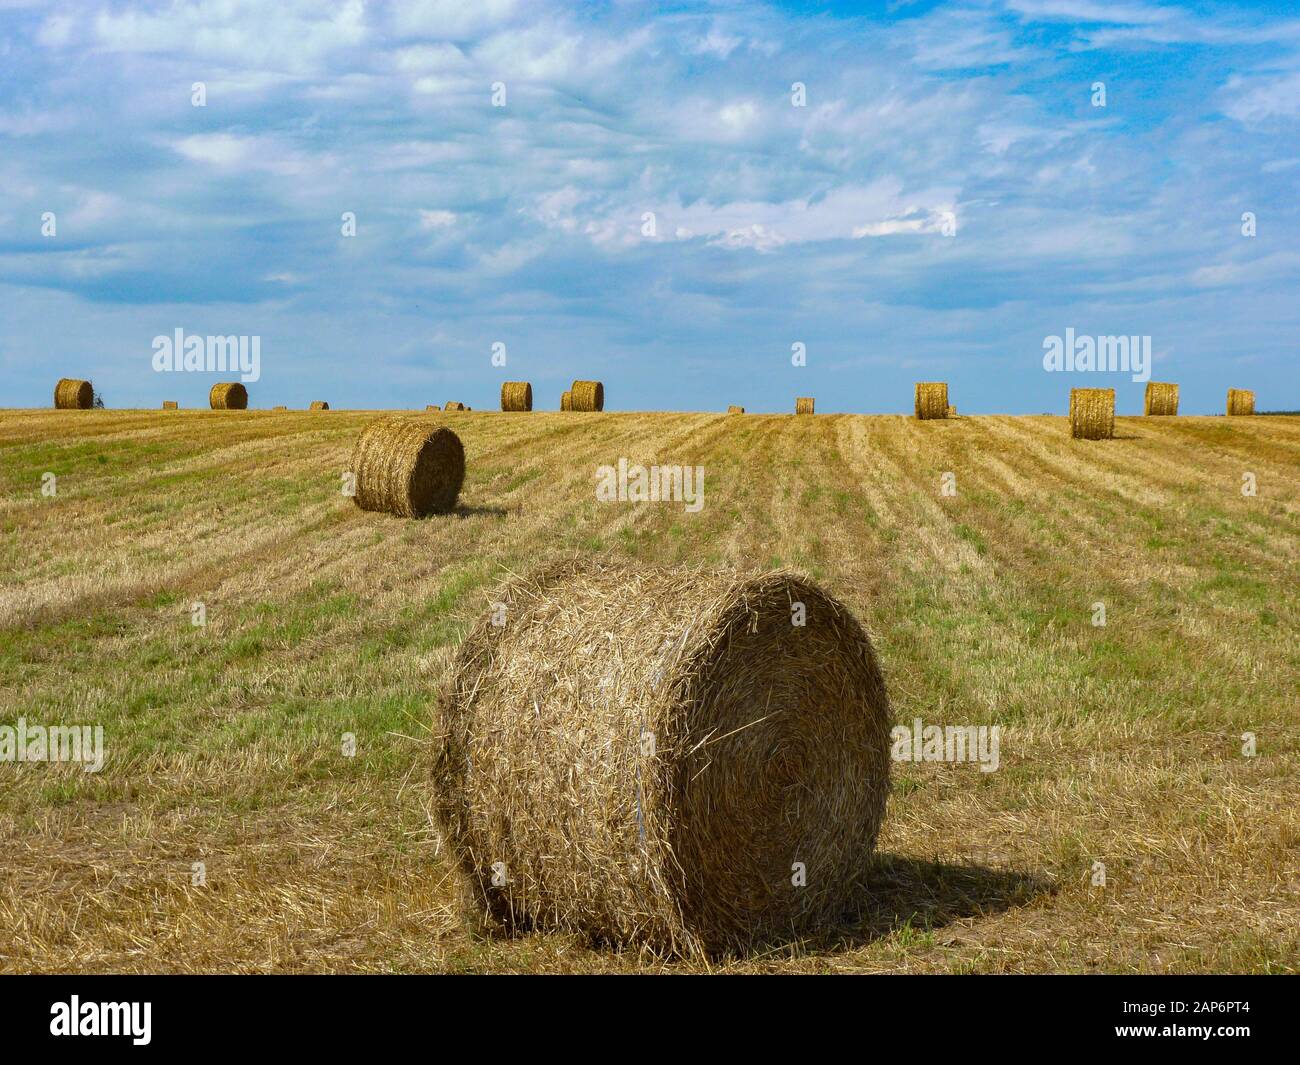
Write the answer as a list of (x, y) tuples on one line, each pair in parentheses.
[(72, 394), (659, 757), (170, 404), (407, 467), (587, 396), (319, 404), (228, 395), (1240, 401), (1092, 413), (931, 399), (1160, 399), (516, 396), (566, 401), (733, 409), (803, 405)]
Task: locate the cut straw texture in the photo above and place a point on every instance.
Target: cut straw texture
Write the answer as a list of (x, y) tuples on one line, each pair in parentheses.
[(170, 404), (566, 401), (319, 404), (643, 756), (1092, 413), (71, 394), (803, 405), (931, 399), (587, 396), (733, 409), (1160, 399), (407, 467), (1240, 401), (228, 395), (516, 396)]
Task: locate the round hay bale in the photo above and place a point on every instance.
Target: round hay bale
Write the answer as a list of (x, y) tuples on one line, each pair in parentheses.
[(72, 394), (735, 410), (454, 406), (516, 396), (170, 404), (952, 411), (407, 467), (931, 399), (1092, 413), (803, 405), (279, 408), (433, 406), (228, 395), (587, 396), (659, 757), (566, 401), (1240, 401), (319, 404), (1160, 399)]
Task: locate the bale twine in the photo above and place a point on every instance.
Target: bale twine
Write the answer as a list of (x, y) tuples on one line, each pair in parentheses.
[(803, 405), (735, 410), (432, 406), (1092, 413), (644, 756), (1240, 401), (1161, 399), (516, 396), (228, 395), (454, 406), (587, 396), (566, 401), (931, 399), (72, 394), (170, 404), (319, 404), (407, 467)]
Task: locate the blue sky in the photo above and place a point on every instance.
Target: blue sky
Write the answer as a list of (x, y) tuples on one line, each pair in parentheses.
[(948, 198)]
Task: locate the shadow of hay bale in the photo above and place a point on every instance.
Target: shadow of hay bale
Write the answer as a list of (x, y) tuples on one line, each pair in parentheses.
[(465, 511), (896, 892), (899, 892)]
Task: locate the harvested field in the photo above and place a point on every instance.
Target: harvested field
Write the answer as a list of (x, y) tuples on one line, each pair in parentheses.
[(224, 744)]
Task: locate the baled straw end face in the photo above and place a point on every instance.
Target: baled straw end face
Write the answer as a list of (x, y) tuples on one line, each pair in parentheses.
[(228, 395), (587, 396), (516, 396), (73, 394), (661, 792), (405, 467)]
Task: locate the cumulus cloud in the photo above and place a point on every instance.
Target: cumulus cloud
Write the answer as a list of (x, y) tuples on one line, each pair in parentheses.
[(533, 216)]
